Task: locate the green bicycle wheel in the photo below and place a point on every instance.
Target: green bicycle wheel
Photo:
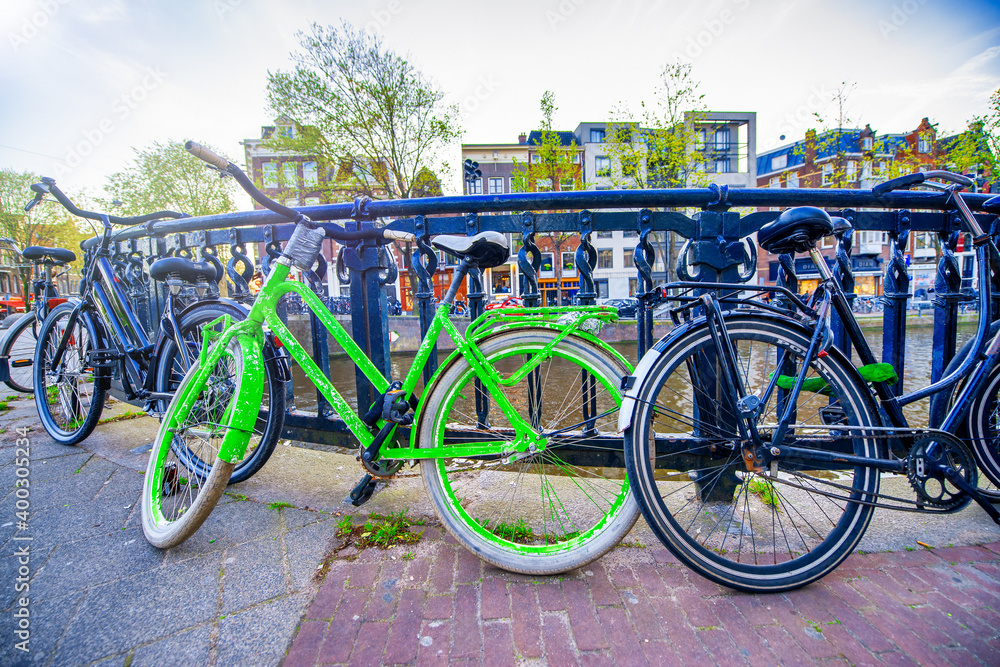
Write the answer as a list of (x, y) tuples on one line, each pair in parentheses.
[(550, 511), (178, 496)]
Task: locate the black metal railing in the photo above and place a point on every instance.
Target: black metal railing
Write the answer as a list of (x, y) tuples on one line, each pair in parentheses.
[(717, 247)]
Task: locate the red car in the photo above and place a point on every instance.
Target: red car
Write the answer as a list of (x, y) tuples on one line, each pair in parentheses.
[(509, 302)]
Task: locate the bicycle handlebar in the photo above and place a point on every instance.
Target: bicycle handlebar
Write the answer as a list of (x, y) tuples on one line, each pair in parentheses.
[(372, 234), (48, 187), (916, 179)]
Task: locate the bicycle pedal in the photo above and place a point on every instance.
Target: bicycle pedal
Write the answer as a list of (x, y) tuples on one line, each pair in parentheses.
[(102, 358), (363, 491)]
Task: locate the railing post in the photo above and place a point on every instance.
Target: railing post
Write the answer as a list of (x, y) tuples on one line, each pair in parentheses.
[(424, 263), (845, 276), (475, 294), (239, 279), (644, 258), (272, 250), (529, 267), (586, 260), (947, 294), (895, 294)]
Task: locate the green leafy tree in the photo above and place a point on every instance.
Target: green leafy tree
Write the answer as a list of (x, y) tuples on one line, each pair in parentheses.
[(976, 149), (48, 224), (662, 146), (554, 166), (372, 121), (164, 176)]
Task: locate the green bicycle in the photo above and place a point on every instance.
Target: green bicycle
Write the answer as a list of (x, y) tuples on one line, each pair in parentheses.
[(516, 432)]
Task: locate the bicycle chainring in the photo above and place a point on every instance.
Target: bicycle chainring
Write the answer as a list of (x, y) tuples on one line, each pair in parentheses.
[(383, 468), (930, 484)]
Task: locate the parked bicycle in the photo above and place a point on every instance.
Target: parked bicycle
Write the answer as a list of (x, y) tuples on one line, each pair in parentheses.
[(20, 332), (96, 344), (757, 450), (513, 431), (865, 304)]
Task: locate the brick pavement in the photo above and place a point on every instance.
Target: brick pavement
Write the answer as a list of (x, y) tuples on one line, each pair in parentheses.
[(637, 606)]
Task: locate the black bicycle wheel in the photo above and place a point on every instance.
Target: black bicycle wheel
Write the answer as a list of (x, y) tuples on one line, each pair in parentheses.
[(773, 530), (19, 348), (171, 368), (68, 396), (981, 427)]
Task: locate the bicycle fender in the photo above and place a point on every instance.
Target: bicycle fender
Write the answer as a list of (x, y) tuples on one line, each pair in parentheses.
[(245, 406), (9, 321)]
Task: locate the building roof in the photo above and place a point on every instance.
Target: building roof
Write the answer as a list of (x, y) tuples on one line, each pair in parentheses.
[(828, 144), (565, 138)]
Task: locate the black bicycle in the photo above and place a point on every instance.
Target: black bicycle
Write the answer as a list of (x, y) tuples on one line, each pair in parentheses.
[(95, 344), (20, 332), (757, 450)]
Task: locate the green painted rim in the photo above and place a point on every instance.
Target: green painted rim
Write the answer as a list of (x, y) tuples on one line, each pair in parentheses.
[(490, 537)]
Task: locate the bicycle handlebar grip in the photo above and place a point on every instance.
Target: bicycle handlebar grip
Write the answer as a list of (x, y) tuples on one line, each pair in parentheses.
[(396, 235), (199, 151), (896, 183)]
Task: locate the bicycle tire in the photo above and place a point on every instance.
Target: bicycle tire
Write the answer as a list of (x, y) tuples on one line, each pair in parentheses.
[(751, 532), (176, 499), (170, 372), (585, 506), (69, 399), (19, 348)]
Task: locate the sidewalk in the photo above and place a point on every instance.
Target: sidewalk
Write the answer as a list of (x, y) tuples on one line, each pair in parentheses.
[(262, 583)]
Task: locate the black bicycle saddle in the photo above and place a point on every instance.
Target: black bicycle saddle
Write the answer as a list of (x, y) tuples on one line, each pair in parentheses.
[(795, 230)]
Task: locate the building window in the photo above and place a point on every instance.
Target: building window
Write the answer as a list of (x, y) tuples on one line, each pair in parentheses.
[(722, 139), (852, 170), (290, 175), (543, 185), (496, 185), (312, 201), (629, 255), (547, 263), (699, 139), (310, 174), (924, 143), (775, 182), (827, 174), (475, 186), (722, 166), (630, 233), (596, 136), (866, 170), (269, 174), (867, 143), (569, 263), (602, 165), (779, 161), (566, 184), (576, 158), (604, 235), (605, 258), (792, 180), (633, 286)]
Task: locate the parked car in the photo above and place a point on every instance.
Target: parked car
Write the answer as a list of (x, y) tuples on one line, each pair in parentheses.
[(509, 302), (627, 308)]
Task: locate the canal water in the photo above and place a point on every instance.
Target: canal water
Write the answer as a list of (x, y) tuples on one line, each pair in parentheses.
[(917, 370)]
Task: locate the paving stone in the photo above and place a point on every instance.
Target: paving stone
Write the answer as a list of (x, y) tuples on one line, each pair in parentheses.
[(57, 525), (93, 561), (140, 609), (254, 572), (188, 647), (228, 525), (48, 620), (259, 635), (306, 547)]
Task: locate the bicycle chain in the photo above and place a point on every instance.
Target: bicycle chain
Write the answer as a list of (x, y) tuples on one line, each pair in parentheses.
[(943, 502)]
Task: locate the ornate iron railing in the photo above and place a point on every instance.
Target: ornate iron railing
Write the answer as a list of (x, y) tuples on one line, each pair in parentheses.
[(717, 248)]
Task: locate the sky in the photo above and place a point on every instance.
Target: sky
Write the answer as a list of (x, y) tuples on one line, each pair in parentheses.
[(85, 82)]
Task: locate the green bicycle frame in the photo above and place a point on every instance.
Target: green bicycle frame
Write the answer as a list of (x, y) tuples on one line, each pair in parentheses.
[(565, 320)]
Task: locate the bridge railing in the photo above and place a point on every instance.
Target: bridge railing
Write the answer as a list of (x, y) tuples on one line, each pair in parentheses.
[(717, 246)]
